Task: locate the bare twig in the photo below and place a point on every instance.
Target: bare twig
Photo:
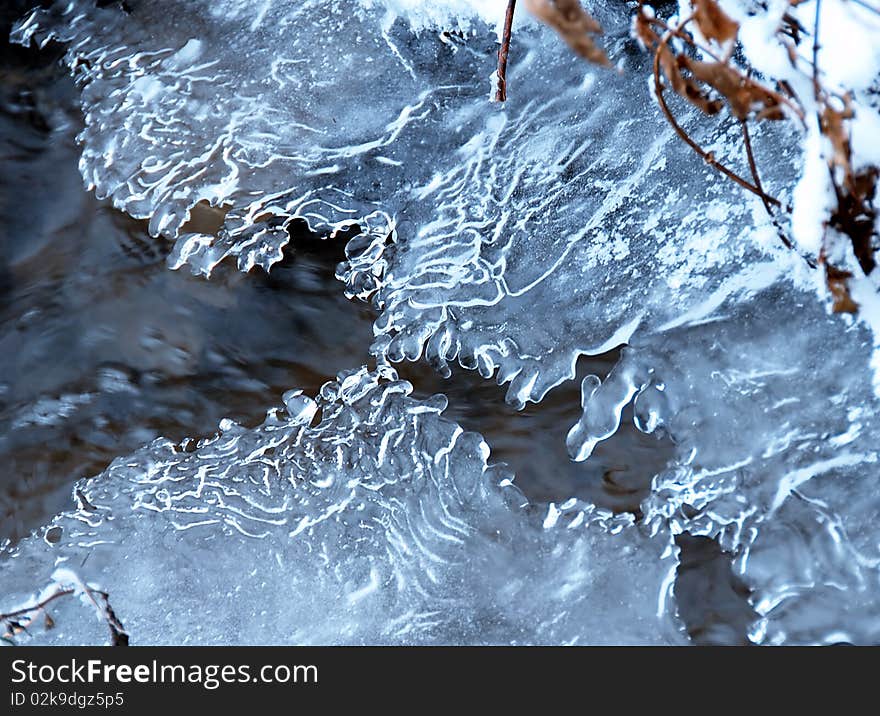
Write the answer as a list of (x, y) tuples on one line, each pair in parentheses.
[(118, 634), (38, 607), (866, 6), (756, 177), (503, 51), (707, 157), (817, 88), (753, 168), (679, 33)]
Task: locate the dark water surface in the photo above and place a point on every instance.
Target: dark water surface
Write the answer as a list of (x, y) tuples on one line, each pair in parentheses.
[(102, 348)]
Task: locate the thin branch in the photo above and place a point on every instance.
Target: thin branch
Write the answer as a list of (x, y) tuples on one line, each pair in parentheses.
[(817, 96), (817, 88), (118, 634), (679, 33), (756, 177), (753, 168), (866, 6), (707, 157), (503, 51), (38, 607)]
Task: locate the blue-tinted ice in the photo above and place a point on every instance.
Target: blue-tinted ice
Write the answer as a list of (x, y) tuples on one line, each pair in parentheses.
[(510, 239)]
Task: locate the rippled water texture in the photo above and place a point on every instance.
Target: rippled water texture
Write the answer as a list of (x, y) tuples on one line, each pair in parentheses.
[(103, 348), (717, 481)]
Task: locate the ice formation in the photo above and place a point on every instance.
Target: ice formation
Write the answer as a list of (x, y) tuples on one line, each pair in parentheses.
[(511, 239), (379, 522)]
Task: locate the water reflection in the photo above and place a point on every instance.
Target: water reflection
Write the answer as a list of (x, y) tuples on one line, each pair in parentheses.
[(102, 348)]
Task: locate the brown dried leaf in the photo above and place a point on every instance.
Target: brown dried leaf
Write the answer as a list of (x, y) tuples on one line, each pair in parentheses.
[(841, 300), (834, 127), (643, 26), (855, 215), (791, 27), (573, 24), (672, 66), (644, 30), (741, 93), (713, 22), (772, 112)]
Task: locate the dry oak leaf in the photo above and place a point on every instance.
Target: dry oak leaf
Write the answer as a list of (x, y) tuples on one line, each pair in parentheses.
[(644, 29), (686, 86), (837, 281), (672, 66), (713, 22), (834, 127), (741, 93), (573, 24)]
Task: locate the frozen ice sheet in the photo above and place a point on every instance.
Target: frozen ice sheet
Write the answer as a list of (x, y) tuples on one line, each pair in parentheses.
[(362, 517), (510, 239)]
